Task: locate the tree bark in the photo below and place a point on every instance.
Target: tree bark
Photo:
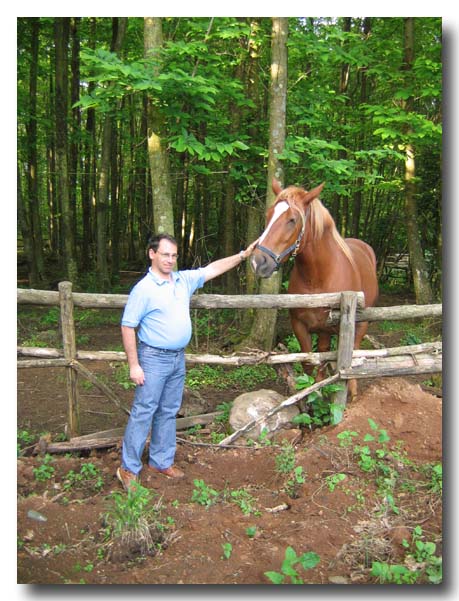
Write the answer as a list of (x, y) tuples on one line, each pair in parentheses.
[(264, 324), (119, 29), (61, 32), (37, 275), (419, 270), (163, 212)]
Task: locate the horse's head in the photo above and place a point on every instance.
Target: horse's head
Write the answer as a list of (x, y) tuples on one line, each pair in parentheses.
[(285, 228)]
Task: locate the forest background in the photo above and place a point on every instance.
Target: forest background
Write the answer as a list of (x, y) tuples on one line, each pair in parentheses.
[(128, 126)]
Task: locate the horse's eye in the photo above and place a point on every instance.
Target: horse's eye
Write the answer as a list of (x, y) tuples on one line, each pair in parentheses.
[(292, 221)]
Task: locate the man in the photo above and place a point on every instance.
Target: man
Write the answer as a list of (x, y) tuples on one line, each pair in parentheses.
[(158, 306)]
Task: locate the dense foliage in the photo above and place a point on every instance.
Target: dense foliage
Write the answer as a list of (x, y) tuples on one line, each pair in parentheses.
[(353, 108)]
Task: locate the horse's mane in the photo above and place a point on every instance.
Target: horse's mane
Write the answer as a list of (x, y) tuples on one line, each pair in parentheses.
[(319, 219)]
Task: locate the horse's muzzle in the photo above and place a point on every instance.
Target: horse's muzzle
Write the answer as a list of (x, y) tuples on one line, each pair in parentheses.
[(262, 264)]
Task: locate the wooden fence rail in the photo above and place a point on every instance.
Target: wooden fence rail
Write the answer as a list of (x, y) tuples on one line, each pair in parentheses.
[(345, 308)]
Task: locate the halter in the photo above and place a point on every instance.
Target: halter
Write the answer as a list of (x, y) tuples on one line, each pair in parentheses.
[(294, 247)]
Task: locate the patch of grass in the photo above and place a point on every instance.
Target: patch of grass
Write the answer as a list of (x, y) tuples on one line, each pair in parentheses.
[(133, 522), (245, 377)]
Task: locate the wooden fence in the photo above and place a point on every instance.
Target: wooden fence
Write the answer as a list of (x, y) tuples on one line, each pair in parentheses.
[(345, 308)]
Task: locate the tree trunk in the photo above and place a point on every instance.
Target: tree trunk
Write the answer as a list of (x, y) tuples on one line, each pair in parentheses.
[(163, 212), (87, 190), (61, 31), (421, 283), (357, 205), (37, 266), (119, 28), (264, 325), (76, 122)]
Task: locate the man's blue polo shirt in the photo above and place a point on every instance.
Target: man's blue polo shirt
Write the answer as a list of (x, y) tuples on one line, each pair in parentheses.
[(161, 308)]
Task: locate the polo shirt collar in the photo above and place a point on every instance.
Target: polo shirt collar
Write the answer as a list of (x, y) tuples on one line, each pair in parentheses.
[(159, 281)]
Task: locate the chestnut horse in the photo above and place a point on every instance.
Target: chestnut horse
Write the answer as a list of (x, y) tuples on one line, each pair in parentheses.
[(298, 224)]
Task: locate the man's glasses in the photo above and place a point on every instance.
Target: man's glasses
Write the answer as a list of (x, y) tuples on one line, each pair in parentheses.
[(168, 256)]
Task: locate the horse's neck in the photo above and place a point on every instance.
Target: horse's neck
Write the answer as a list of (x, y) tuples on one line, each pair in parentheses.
[(316, 257)]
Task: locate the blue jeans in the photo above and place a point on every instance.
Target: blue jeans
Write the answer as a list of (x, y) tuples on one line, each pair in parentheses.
[(154, 409)]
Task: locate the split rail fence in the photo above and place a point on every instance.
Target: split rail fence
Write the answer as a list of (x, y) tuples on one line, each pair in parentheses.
[(345, 309)]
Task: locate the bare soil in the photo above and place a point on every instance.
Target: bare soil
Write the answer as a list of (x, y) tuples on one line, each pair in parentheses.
[(348, 525)]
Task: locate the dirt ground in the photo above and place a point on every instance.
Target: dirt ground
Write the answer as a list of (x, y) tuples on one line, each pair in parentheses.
[(254, 515)]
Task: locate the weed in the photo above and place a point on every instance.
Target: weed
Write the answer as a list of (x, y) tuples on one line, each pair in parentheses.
[(227, 550), (45, 471), (203, 494), (225, 409), (420, 564), (322, 410), (216, 437), (131, 517), (285, 464), (307, 561), (122, 376), (88, 477), (285, 460), (294, 483), (333, 480), (251, 531), (245, 501), (24, 439)]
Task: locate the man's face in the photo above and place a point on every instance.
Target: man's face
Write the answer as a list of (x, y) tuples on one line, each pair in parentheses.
[(165, 258)]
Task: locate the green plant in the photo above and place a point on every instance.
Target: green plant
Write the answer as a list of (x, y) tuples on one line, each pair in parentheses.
[(45, 471), (420, 564), (131, 516), (435, 474), (307, 561), (122, 376), (333, 480), (392, 573), (294, 483), (245, 501), (88, 476), (203, 494), (285, 460), (225, 408), (251, 531), (322, 410), (227, 550)]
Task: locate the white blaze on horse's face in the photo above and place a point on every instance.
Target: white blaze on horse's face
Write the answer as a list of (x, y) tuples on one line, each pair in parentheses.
[(279, 209)]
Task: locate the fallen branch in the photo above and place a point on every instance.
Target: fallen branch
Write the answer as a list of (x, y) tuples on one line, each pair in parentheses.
[(109, 438), (289, 401)]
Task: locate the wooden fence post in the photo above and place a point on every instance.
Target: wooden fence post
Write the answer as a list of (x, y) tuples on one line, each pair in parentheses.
[(346, 337), (69, 343)]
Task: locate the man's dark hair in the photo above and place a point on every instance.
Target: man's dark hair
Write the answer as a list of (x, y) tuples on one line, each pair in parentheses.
[(153, 241)]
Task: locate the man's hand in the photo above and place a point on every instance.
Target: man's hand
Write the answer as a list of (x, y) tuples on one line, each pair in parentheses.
[(136, 374), (249, 250)]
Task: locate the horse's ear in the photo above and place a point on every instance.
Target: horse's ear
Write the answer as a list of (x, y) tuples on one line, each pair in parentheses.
[(312, 194), (276, 187)]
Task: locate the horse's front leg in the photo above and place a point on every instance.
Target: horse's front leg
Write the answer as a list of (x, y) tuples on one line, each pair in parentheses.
[(323, 345), (304, 338)]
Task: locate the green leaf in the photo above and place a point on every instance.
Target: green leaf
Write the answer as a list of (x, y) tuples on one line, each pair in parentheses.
[(275, 577), (309, 560)]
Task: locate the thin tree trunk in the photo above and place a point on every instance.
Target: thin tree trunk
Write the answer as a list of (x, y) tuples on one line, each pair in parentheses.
[(264, 325), (37, 274), (119, 28), (163, 212), (61, 32), (419, 271)]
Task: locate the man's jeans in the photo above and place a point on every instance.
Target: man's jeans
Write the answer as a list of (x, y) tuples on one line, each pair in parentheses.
[(154, 408)]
